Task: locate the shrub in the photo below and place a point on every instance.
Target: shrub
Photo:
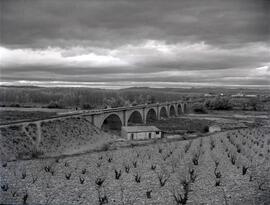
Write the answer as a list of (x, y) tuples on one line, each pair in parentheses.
[(199, 108), (238, 148), (23, 174), (55, 105), (110, 159), (217, 182), (148, 194), (127, 168), (4, 164), (182, 198), (117, 174), (216, 163), (99, 181), (244, 170), (212, 144), (81, 180), (25, 197), (4, 187), (137, 178), (217, 174), (233, 158), (68, 175), (15, 105), (102, 197), (163, 177), (187, 146), (84, 171), (134, 164), (153, 167), (192, 175), (195, 159), (34, 178), (219, 103), (87, 106)]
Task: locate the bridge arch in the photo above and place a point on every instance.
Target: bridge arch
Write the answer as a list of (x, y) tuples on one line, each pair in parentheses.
[(172, 111), (179, 109), (163, 112), (135, 118), (151, 115), (112, 122)]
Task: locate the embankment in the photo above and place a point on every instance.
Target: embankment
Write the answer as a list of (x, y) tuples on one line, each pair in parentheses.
[(49, 138)]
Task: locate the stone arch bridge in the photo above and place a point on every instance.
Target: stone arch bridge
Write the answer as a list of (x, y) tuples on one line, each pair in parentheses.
[(114, 118)]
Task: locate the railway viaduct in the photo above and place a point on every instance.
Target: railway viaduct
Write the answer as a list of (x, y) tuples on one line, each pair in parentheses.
[(114, 118)]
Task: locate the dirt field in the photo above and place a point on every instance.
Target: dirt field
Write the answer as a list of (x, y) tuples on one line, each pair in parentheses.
[(227, 168)]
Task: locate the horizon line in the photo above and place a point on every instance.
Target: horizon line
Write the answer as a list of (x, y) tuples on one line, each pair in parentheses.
[(113, 86)]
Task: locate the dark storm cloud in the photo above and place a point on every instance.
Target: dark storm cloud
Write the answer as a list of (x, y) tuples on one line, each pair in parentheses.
[(109, 23), (145, 40)]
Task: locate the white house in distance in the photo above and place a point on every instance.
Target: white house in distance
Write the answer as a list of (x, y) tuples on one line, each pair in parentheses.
[(140, 132)]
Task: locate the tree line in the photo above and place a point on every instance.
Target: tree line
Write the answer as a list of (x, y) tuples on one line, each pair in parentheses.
[(82, 98)]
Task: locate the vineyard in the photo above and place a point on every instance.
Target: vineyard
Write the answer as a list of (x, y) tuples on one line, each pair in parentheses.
[(230, 167)]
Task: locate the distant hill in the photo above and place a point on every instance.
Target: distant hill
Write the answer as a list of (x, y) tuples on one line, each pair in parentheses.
[(19, 86), (203, 90), (90, 98)]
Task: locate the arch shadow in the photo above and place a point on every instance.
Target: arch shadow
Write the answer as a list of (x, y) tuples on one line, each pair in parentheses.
[(135, 118), (112, 123), (163, 113), (151, 115), (179, 109), (172, 111)]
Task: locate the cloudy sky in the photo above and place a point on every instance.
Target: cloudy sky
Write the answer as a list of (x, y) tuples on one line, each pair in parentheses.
[(122, 43)]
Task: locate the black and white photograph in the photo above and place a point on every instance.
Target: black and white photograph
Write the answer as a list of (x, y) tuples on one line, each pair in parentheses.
[(135, 102)]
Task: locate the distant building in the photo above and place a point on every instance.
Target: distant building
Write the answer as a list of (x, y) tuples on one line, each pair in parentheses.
[(140, 132), (208, 95), (251, 96), (214, 128), (238, 95)]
